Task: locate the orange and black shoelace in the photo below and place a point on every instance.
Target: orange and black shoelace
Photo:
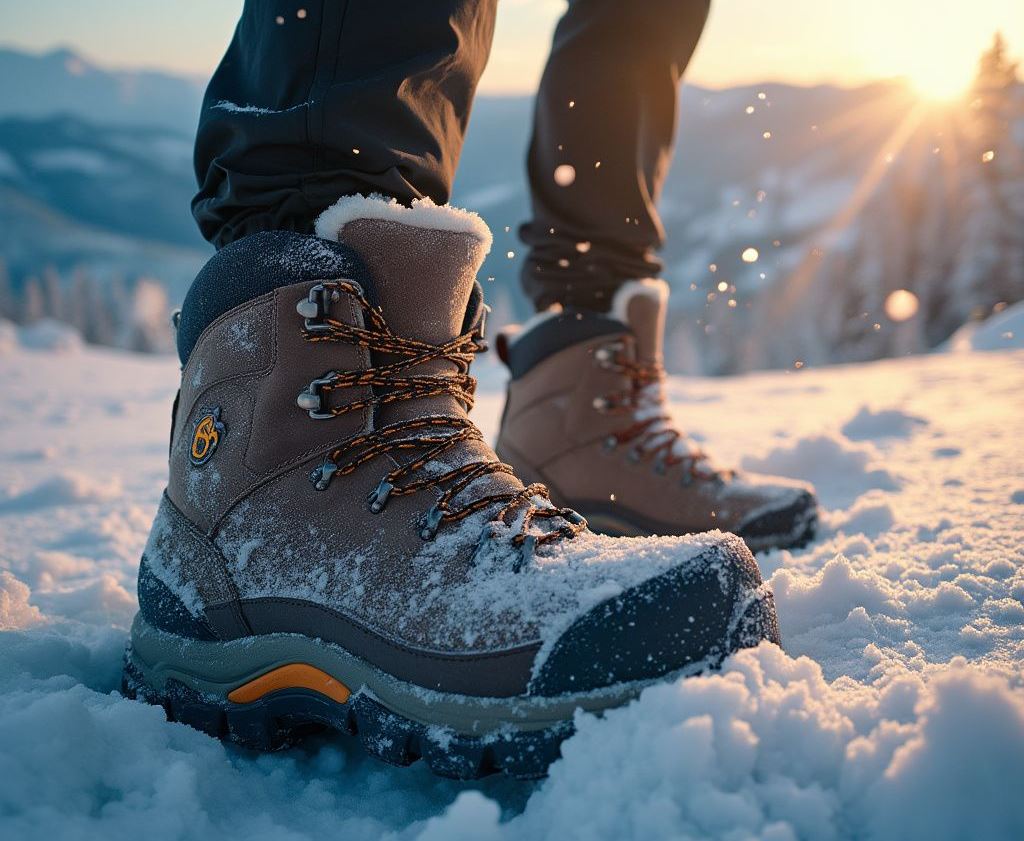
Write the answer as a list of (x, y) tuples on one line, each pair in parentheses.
[(431, 436), (653, 436)]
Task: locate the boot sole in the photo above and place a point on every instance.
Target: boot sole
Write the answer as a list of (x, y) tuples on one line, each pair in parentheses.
[(267, 696)]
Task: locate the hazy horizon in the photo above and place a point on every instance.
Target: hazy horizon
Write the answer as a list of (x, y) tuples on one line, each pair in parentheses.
[(933, 46)]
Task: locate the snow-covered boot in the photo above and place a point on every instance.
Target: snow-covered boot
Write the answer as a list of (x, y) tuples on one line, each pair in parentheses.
[(586, 416), (339, 547)]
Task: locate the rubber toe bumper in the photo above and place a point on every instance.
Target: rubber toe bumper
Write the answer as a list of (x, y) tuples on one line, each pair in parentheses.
[(792, 525), (699, 612)]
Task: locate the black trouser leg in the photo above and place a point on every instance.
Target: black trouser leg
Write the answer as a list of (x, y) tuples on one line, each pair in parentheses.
[(316, 99), (606, 108)]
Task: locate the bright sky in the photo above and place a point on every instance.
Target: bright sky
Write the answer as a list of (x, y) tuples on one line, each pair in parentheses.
[(934, 42)]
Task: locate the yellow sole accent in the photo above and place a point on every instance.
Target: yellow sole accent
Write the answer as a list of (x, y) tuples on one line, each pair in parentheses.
[(292, 676)]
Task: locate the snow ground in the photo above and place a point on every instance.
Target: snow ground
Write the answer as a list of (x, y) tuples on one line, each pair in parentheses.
[(896, 711)]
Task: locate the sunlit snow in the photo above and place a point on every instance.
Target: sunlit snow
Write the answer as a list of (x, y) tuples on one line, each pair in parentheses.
[(895, 711)]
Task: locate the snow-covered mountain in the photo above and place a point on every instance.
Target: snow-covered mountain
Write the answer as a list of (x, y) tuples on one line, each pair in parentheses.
[(63, 81), (845, 194)]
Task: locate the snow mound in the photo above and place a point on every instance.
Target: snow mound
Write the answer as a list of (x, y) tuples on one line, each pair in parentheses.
[(870, 424), (1002, 331), (50, 335), (770, 750), (8, 337), (839, 470), (895, 711), (15, 611), (65, 488)]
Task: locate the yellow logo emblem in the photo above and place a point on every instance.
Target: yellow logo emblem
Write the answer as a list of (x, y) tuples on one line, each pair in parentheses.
[(206, 435)]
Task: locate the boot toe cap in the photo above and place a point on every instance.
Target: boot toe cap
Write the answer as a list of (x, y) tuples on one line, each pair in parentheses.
[(697, 613), (791, 522)]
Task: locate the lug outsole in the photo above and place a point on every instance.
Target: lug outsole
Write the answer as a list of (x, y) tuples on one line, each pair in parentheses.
[(281, 719)]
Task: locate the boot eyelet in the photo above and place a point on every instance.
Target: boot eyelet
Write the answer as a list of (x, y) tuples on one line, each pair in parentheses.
[(321, 477), (312, 398), (610, 443), (635, 456), (527, 549), (313, 308), (430, 523), (378, 499)]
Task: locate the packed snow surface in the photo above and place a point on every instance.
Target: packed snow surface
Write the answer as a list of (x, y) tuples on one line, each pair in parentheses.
[(895, 711)]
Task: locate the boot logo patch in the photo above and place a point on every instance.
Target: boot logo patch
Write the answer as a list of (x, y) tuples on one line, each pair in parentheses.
[(206, 435)]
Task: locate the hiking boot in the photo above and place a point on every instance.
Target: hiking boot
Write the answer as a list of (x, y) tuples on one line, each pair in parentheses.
[(586, 415), (338, 547)]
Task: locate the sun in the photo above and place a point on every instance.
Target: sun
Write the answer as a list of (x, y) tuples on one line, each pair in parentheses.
[(939, 81)]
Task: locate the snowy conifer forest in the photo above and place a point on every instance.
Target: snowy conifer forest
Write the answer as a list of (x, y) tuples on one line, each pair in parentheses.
[(791, 213)]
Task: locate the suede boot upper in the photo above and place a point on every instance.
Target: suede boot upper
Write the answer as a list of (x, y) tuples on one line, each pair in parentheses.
[(325, 480), (586, 415)]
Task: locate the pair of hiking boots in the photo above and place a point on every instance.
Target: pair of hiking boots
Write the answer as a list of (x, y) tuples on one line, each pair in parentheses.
[(339, 547)]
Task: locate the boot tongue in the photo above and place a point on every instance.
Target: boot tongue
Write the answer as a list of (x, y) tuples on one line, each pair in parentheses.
[(423, 260), (641, 305)]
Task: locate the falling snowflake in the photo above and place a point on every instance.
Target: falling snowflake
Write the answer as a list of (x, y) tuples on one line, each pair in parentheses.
[(565, 174), (901, 305)]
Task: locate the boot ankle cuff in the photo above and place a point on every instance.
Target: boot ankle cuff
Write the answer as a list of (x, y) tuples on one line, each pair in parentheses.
[(422, 213), (551, 334)]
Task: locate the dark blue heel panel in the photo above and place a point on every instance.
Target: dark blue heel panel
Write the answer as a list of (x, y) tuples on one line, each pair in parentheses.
[(162, 609)]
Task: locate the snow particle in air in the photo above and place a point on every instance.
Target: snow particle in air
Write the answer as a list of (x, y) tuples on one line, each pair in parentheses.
[(583, 247), (901, 305), (749, 109), (749, 255), (722, 286), (279, 20), (301, 14), (988, 155), (510, 255), (565, 174)]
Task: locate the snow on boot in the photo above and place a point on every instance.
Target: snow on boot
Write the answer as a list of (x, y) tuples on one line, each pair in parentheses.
[(339, 547), (586, 416)]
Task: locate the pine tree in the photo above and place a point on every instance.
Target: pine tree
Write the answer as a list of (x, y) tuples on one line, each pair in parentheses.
[(53, 294), (990, 269), (33, 304), (8, 300), (995, 70)]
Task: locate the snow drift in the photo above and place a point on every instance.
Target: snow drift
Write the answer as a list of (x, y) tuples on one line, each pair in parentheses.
[(896, 710)]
